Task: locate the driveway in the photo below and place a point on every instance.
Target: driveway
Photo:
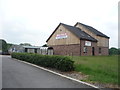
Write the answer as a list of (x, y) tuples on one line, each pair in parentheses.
[(16, 74)]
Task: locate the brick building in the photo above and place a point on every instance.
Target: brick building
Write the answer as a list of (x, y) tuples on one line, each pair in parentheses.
[(79, 40)]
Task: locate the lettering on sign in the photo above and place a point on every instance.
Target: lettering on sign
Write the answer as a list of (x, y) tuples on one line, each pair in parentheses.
[(61, 36), (87, 43)]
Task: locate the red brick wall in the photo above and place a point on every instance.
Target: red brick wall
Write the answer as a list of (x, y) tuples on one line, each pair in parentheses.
[(77, 49), (89, 48), (104, 50), (73, 49)]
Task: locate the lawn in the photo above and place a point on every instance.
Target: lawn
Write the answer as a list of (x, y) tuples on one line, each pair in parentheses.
[(103, 69)]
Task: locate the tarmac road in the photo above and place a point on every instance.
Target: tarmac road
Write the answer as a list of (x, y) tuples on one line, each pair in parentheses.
[(16, 74)]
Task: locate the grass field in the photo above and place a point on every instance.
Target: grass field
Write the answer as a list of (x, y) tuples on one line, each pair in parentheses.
[(103, 69)]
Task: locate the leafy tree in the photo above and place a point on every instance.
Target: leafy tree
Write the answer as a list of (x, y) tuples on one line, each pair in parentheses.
[(26, 44), (3, 45), (9, 45), (118, 51), (45, 45), (113, 51)]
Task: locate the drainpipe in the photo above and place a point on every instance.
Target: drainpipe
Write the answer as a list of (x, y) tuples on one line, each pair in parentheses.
[(80, 47)]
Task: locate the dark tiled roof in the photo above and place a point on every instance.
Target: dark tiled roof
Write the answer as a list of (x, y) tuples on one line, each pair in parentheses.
[(79, 33), (93, 30)]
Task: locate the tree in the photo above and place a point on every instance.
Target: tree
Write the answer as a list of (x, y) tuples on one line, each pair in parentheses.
[(113, 51), (45, 45), (3, 45), (118, 51), (26, 44), (9, 45)]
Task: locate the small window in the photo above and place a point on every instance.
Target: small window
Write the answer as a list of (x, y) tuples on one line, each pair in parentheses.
[(99, 50), (85, 49)]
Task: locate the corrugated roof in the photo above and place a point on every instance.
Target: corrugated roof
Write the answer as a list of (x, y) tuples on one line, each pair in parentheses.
[(93, 30), (79, 33), (32, 47)]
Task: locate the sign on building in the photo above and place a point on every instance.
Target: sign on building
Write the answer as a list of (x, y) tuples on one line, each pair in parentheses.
[(61, 36), (87, 43)]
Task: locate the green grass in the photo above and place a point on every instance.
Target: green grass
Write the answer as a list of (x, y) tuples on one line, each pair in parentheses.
[(102, 69)]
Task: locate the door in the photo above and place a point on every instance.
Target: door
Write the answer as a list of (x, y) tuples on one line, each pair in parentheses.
[(26, 49), (35, 50), (50, 51), (93, 51)]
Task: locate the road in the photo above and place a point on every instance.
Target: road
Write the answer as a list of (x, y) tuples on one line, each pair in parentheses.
[(16, 74)]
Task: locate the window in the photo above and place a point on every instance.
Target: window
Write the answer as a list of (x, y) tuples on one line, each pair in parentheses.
[(99, 50), (85, 49)]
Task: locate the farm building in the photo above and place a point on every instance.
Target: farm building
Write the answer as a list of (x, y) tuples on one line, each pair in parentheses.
[(16, 48), (31, 49), (20, 49), (79, 40)]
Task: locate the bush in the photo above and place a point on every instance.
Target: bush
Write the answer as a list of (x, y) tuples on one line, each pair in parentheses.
[(62, 63)]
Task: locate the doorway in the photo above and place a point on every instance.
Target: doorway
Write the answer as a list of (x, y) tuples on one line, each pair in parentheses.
[(93, 51), (26, 49), (35, 50), (50, 51)]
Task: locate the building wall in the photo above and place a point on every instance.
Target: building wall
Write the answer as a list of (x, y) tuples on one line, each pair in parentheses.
[(30, 50), (74, 46), (78, 49), (71, 38), (102, 41), (104, 50), (89, 48), (70, 50)]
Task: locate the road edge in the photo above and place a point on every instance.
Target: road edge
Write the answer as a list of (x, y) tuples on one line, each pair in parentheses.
[(57, 73)]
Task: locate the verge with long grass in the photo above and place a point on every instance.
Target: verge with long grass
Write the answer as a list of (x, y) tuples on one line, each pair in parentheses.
[(103, 69)]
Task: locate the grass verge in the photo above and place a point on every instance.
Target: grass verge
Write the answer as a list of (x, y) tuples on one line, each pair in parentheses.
[(103, 69)]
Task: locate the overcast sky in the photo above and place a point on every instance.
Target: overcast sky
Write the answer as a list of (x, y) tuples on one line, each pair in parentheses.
[(32, 21)]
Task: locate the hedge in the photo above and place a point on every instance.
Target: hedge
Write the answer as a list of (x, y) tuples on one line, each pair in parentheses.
[(62, 63)]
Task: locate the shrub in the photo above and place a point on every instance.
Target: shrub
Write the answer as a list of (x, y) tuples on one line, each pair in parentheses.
[(62, 63)]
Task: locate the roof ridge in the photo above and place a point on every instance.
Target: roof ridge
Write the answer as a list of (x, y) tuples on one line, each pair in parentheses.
[(92, 29), (79, 33), (76, 31)]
